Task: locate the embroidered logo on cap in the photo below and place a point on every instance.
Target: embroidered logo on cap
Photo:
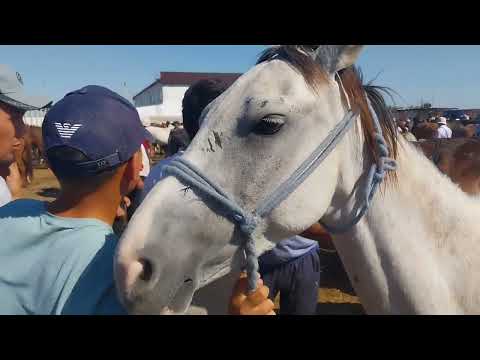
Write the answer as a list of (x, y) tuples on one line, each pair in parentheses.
[(66, 130)]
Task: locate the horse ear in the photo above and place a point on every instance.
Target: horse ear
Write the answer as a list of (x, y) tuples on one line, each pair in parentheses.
[(337, 57)]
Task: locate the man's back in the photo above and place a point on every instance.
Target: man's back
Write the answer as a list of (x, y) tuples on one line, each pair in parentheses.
[(54, 265), (444, 132)]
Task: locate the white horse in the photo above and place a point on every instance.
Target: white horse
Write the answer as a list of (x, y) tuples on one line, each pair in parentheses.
[(415, 251), (161, 135)]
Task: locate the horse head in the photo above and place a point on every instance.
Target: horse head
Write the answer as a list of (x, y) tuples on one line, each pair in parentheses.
[(251, 140)]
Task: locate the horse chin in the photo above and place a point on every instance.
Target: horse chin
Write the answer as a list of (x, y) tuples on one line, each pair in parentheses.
[(182, 300), (216, 273)]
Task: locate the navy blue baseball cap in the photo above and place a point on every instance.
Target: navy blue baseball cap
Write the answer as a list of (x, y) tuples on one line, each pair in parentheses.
[(98, 122)]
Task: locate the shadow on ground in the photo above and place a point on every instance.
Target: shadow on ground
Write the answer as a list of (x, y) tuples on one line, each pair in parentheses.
[(49, 192), (339, 309)]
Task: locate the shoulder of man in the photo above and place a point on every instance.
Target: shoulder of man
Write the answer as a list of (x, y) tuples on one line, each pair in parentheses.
[(21, 207), (79, 275), (94, 289)]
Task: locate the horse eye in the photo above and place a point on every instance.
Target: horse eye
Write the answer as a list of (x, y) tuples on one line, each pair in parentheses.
[(269, 125)]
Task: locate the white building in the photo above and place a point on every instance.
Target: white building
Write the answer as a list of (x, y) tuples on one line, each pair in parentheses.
[(34, 117), (162, 100), (159, 102)]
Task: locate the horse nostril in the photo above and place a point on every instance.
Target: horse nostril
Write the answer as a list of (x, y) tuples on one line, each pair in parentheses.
[(147, 270)]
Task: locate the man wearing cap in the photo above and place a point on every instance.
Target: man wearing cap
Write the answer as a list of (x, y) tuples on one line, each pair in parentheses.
[(14, 102), (57, 258), (443, 132)]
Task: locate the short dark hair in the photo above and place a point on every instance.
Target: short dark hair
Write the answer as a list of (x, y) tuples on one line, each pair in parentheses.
[(196, 99), (61, 159), (178, 140), (10, 108)]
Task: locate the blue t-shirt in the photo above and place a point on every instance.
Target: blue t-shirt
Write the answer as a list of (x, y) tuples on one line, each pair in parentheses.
[(288, 250), (156, 174), (55, 265)]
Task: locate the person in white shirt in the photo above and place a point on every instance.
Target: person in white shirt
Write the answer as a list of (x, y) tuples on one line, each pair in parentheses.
[(5, 195), (443, 132)]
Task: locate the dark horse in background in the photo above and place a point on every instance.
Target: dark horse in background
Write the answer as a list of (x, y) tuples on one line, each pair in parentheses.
[(458, 158), (30, 151)]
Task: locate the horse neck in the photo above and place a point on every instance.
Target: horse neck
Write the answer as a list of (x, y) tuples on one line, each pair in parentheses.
[(416, 241)]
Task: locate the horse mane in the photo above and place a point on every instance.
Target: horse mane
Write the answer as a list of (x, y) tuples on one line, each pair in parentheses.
[(300, 57)]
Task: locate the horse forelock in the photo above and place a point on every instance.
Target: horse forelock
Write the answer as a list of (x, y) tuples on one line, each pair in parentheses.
[(299, 56)]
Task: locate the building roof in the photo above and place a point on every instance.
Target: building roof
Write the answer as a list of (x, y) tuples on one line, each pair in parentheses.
[(188, 78), (432, 109)]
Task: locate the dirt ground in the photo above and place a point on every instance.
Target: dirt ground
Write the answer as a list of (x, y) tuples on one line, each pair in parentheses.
[(43, 187), (335, 297)]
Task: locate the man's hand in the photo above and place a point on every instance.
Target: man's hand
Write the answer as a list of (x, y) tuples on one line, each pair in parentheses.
[(256, 303), (122, 208), (14, 181)]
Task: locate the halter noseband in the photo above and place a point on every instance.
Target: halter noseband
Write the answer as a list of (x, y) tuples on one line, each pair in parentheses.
[(189, 174)]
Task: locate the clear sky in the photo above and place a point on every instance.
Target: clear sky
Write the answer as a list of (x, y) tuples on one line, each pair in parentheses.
[(442, 75)]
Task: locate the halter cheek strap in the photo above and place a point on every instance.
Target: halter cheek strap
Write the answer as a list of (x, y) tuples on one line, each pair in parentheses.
[(376, 174)]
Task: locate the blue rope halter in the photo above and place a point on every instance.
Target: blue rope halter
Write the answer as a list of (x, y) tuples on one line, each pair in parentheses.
[(189, 174)]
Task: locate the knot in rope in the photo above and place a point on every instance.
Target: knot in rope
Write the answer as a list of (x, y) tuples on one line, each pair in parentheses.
[(247, 225)]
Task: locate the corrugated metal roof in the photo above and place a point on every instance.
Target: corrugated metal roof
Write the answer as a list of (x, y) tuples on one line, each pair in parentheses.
[(189, 78)]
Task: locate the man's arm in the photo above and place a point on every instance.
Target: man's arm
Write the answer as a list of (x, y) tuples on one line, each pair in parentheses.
[(318, 233)]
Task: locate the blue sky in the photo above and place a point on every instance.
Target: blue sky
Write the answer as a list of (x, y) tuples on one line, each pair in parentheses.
[(443, 75)]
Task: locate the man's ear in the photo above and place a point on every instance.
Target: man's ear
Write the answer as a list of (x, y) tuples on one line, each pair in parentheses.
[(131, 174)]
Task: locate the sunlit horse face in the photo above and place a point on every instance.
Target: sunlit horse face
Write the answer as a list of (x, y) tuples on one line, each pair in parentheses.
[(251, 139)]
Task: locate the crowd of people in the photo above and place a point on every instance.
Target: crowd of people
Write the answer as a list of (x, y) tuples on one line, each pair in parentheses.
[(437, 127), (57, 257)]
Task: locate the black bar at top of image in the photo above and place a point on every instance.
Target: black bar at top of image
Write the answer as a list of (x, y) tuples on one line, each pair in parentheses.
[(240, 26)]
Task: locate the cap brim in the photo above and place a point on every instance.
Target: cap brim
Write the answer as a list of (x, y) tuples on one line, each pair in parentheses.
[(24, 102)]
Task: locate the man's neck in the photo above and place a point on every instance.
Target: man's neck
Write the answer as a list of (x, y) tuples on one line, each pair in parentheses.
[(100, 205)]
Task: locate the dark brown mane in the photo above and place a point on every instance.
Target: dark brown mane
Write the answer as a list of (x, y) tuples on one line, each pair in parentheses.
[(302, 62), (357, 91), (352, 80)]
